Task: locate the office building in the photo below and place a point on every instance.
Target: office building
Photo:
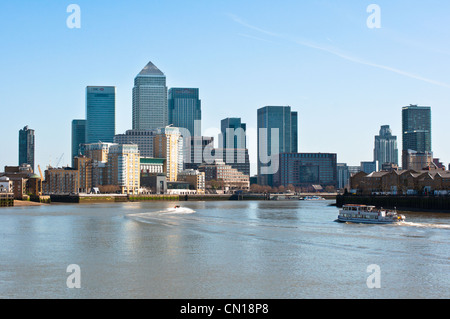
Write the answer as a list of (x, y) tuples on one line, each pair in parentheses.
[(185, 110), (124, 167), (416, 130), (285, 122), (385, 150), (193, 150), (343, 176), (168, 144), (26, 146), (369, 167), (233, 133), (100, 114), (142, 138), (307, 170), (78, 137), (150, 109), (219, 175)]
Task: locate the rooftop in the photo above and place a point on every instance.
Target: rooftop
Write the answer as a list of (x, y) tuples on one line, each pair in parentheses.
[(150, 70)]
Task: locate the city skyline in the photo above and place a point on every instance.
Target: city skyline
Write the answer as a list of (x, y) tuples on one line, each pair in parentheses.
[(365, 91)]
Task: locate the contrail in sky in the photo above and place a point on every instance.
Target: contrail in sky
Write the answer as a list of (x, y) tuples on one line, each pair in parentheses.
[(336, 52)]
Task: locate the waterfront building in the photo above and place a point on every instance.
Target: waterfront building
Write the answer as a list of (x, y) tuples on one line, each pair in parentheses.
[(100, 114), (385, 150), (124, 167), (280, 118), (142, 138), (402, 182), (195, 178), (416, 129), (6, 185), (226, 177), (168, 144), (185, 109), (26, 146), (307, 170), (84, 167), (78, 137), (61, 180), (150, 109)]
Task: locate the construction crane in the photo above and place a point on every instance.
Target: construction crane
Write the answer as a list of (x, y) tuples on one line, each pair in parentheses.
[(40, 172), (57, 164)]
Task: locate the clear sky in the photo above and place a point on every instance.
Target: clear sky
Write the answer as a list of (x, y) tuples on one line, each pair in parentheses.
[(320, 57)]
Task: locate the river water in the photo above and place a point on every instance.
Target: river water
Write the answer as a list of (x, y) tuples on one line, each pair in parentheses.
[(230, 249)]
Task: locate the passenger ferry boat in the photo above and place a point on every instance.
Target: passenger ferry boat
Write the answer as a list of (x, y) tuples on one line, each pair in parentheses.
[(368, 215)]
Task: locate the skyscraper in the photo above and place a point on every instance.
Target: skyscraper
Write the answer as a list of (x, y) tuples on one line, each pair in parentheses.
[(237, 129), (26, 146), (385, 150), (233, 146), (185, 109), (150, 109), (416, 124), (100, 114), (272, 119), (78, 137)]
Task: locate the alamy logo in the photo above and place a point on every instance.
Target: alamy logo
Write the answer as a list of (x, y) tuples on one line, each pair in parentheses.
[(374, 280), (374, 20), (74, 279), (74, 20)]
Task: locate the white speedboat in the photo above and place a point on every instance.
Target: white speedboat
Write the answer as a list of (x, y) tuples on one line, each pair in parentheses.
[(363, 214), (312, 198)]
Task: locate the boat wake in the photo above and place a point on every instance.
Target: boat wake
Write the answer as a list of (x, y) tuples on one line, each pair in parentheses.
[(160, 214), (425, 225)]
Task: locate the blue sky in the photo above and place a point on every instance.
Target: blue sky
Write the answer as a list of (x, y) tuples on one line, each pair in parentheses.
[(319, 57)]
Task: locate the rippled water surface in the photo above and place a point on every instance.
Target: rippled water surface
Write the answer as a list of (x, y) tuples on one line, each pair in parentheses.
[(266, 249)]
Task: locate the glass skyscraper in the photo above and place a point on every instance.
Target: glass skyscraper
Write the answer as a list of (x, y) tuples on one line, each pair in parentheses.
[(185, 109), (100, 114), (385, 150), (78, 136), (26, 146), (150, 109), (286, 122), (416, 124), (237, 140)]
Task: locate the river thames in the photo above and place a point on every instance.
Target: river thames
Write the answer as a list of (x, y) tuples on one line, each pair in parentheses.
[(229, 249)]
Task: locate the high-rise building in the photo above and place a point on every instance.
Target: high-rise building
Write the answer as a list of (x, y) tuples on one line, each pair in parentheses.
[(78, 137), (233, 133), (26, 146), (185, 109), (307, 170), (343, 175), (416, 130), (124, 167), (150, 109), (168, 144), (100, 114), (233, 146), (143, 138), (385, 150), (273, 119)]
